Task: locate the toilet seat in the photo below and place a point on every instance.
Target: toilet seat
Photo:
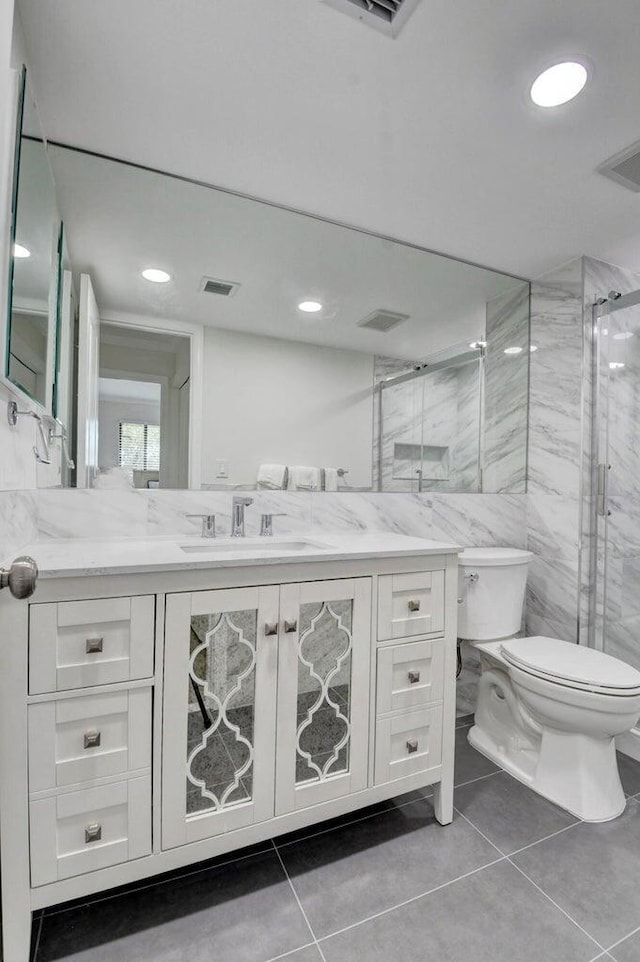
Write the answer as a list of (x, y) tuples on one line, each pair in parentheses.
[(571, 666)]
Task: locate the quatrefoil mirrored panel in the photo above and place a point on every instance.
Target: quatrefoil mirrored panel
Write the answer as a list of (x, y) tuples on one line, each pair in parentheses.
[(221, 698), (324, 690)]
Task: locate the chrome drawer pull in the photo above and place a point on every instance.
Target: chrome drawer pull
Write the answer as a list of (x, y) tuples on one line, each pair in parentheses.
[(412, 745), (93, 832), (93, 645), (290, 626), (414, 677), (92, 739), (271, 628), (414, 606)]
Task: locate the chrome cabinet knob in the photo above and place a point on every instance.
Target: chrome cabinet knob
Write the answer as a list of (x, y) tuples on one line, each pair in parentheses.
[(271, 628), (290, 626), (414, 606), (92, 739), (93, 832), (412, 745), (414, 677), (21, 577)]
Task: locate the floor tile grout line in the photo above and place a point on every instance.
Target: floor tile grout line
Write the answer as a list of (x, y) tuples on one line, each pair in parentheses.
[(286, 955), (153, 882), (559, 907), (524, 874), (36, 946), (623, 939), (480, 832), (414, 898), (480, 778), (363, 818), (297, 898), (560, 831)]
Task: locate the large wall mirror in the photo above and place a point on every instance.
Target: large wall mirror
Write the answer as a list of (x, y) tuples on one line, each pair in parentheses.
[(35, 264), (229, 343)]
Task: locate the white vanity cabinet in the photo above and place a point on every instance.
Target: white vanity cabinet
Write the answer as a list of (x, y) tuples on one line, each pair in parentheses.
[(154, 719)]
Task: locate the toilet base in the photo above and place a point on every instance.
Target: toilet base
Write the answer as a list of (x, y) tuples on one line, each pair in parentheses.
[(577, 772)]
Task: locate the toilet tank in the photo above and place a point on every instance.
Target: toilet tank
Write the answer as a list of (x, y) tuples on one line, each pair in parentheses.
[(491, 587)]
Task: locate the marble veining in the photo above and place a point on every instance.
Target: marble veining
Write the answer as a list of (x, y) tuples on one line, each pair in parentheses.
[(506, 392)]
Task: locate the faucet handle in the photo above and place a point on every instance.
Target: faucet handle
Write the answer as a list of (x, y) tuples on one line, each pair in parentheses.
[(266, 522), (208, 524), (242, 499)]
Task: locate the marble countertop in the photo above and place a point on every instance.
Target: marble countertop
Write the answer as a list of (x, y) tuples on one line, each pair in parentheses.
[(64, 559)]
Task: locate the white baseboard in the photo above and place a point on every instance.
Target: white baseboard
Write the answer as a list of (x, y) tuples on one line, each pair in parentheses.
[(629, 743)]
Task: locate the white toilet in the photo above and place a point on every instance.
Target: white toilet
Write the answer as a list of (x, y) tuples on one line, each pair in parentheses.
[(548, 710)]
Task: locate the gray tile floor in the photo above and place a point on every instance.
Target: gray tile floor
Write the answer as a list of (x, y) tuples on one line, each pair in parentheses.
[(513, 878)]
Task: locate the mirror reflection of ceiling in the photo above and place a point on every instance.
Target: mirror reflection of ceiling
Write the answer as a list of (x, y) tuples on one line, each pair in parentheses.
[(120, 219), (123, 389)]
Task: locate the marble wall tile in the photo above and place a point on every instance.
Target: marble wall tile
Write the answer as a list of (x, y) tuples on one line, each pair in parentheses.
[(168, 510), (18, 526), (555, 383), (89, 514), (555, 466), (506, 392), (552, 598), (553, 526), (480, 519), (401, 513), (465, 519)]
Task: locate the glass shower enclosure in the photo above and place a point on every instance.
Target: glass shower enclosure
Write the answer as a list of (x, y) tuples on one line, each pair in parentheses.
[(429, 426), (615, 545)]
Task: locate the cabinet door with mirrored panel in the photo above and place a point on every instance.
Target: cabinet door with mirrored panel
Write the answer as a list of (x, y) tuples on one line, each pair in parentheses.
[(323, 691), (221, 652)]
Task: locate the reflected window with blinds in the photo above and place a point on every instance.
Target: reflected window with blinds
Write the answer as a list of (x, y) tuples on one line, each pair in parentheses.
[(139, 446)]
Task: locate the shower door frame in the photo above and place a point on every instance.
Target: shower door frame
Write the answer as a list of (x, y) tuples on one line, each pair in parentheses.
[(599, 469), (422, 370)]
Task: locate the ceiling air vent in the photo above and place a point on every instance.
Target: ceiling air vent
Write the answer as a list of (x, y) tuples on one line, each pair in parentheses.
[(385, 15), (383, 320), (225, 288), (624, 168)]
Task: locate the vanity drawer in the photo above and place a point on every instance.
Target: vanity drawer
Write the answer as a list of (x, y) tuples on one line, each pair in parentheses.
[(78, 739), (409, 743), (84, 831), (76, 644), (409, 675), (410, 604)]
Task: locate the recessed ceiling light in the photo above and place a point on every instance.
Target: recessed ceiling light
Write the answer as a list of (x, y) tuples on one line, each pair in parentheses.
[(513, 350), (622, 335), (155, 275), (20, 251), (558, 84), (616, 365), (310, 307), (533, 347)]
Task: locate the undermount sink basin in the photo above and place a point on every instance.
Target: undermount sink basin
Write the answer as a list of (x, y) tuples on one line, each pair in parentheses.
[(252, 545)]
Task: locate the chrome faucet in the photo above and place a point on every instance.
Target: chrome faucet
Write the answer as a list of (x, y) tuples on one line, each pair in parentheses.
[(237, 517), (208, 524)]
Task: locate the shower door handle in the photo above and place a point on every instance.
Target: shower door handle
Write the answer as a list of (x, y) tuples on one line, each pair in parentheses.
[(603, 471)]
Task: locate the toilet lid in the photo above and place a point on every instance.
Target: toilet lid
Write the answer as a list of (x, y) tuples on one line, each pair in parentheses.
[(572, 665)]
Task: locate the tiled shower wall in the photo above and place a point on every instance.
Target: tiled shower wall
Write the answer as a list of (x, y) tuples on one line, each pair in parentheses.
[(560, 497), (438, 410)]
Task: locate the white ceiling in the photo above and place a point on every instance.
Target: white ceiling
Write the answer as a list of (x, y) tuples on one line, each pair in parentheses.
[(120, 219), (122, 389), (430, 137)]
